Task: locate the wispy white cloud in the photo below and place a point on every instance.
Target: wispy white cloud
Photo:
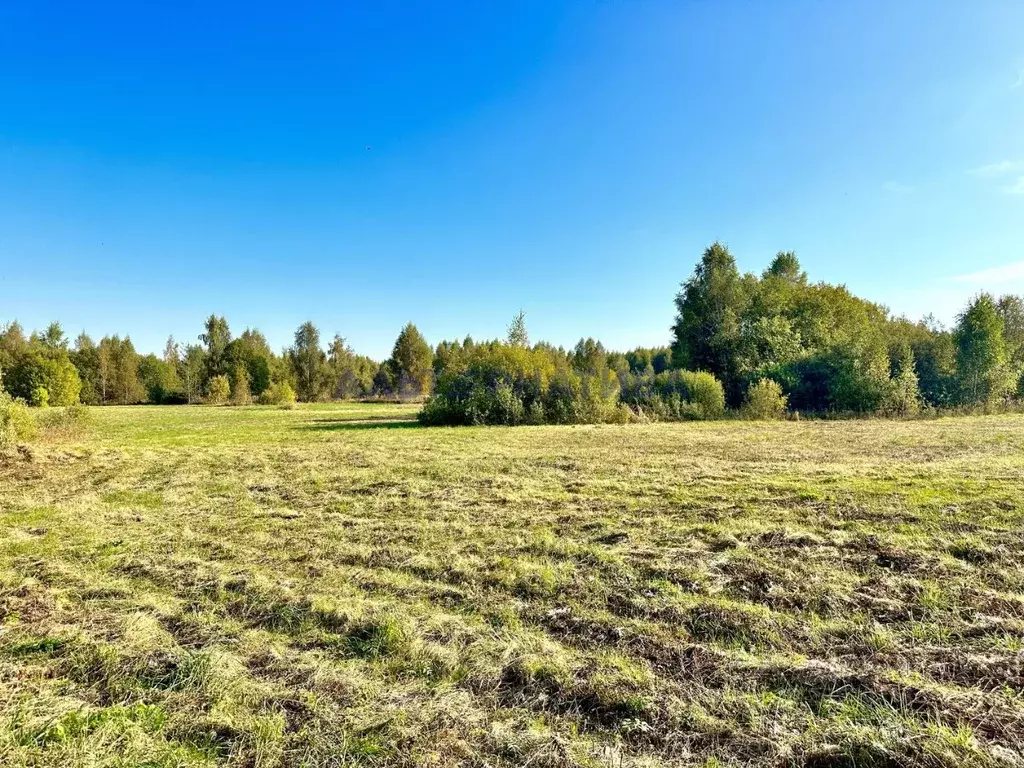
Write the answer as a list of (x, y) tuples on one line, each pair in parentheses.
[(1019, 81), (993, 275), (993, 170), (946, 296), (897, 188), (1015, 189)]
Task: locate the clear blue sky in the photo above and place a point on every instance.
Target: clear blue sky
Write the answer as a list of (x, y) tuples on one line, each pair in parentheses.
[(161, 161)]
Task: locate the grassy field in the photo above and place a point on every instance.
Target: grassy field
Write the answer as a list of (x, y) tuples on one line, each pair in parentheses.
[(335, 586)]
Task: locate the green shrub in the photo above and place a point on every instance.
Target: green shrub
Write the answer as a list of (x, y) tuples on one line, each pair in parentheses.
[(599, 397), (278, 393), (674, 395), (509, 384), (69, 419), (705, 392), (622, 414), (40, 397), (535, 413), (563, 399), (508, 406), (904, 393), (241, 394), (497, 383), (672, 407), (839, 380), (42, 377), (489, 384), (78, 415), (436, 412), (764, 400), (220, 390), (16, 422)]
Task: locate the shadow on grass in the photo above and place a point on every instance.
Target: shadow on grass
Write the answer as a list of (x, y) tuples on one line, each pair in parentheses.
[(327, 425), (359, 419)]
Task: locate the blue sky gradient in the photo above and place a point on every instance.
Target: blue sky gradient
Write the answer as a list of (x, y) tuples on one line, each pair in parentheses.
[(365, 164)]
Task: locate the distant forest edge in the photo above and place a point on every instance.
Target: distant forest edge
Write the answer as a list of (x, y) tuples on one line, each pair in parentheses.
[(763, 346)]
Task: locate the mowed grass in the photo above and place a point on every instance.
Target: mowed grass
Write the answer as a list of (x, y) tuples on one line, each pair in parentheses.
[(336, 586)]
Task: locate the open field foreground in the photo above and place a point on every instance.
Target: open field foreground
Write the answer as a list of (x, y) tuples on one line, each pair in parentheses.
[(335, 585)]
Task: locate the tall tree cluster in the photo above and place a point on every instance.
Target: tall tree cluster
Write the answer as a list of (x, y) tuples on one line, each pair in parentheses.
[(39, 369), (833, 351)]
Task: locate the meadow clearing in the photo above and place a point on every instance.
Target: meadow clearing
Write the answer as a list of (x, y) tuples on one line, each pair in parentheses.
[(334, 585)]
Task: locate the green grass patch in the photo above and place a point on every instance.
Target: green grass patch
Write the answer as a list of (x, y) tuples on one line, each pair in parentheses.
[(334, 585)]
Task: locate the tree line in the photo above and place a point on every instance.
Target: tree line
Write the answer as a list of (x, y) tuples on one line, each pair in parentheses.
[(831, 351), (45, 368), (760, 345), (764, 344)]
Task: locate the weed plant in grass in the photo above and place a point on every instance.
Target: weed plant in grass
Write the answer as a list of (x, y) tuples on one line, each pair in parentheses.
[(333, 585)]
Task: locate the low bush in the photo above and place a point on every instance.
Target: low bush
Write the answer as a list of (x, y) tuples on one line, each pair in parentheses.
[(68, 420), (675, 395), (40, 397), (16, 422), (509, 385), (220, 390), (764, 401), (279, 393), (705, 392), (499, 383), (563, 399)]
